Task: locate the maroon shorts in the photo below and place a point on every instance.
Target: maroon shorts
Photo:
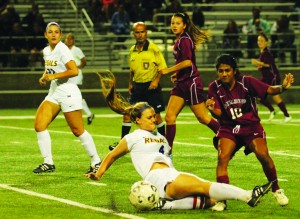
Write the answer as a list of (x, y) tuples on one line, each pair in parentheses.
[(190, 90), (242, 135), (272, 80)]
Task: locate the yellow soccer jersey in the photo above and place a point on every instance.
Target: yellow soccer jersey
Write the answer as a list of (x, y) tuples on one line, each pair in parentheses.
[(146, 63)]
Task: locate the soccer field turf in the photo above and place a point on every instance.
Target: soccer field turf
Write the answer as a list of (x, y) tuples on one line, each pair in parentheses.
[(66, 193)]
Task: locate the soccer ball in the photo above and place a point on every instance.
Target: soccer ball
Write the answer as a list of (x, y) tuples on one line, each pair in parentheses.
[(143, 196)]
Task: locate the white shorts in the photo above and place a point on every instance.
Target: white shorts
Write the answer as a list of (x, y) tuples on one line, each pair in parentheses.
[(79, 78), (161, 177), (67, 96)]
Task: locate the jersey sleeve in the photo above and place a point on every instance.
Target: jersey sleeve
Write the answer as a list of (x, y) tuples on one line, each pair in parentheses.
[(66, 54), (185, 48), (256, 87)]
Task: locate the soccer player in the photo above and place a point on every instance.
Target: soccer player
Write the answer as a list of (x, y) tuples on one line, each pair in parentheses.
[(149, 152), (188, 87), (80, 61), (64, 95), (270, 75), (145, 62), (232, 99)]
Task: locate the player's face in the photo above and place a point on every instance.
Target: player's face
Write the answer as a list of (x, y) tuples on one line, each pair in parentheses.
[(69, 41), (140, 33), (262, 42), (226, 74), (177, 25), (53, 35), (147, 120)]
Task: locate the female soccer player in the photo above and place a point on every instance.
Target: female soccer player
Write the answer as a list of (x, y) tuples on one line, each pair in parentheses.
[(232, 99), (64, 95), (188, 87), (149, 152), (270, 75)]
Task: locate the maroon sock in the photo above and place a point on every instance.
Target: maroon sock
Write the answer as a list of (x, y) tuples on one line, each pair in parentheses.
[(266, 103), (282, 107), (170, 134), (272, 177), (213, 125), (223, 179)]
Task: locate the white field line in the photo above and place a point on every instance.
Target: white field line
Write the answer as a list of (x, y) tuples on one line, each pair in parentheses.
[(97, 184), (69, 202)]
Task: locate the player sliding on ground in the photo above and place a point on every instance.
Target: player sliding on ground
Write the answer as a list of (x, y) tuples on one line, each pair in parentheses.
[(149, 153)]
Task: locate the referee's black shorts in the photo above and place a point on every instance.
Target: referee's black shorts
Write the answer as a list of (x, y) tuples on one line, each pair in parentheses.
[(141, 93)]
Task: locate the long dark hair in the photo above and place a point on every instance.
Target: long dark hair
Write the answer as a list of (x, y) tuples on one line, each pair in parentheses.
[(116, 101), (198, 36)]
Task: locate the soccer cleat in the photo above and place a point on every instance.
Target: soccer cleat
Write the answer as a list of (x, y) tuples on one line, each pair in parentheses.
[(113, 145), (93, 169), (44, 168), (280, 197), (220, 206), (272, 115), (90, 119), (287, 119), (258, 192), (161, 204)]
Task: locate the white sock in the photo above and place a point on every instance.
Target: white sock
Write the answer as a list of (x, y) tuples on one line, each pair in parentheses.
[(185, 204), (88, 143), (44, 142), (86, 108), (222, 192)]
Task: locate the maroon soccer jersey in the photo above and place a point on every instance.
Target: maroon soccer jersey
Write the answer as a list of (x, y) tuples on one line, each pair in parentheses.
[(184, 49), (270, 75), (238, 106)]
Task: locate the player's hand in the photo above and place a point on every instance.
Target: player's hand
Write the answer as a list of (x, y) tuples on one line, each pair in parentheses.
[(92, 176), (288, 81), (153, 85), (173, 78), (210, 104), (42, 81)]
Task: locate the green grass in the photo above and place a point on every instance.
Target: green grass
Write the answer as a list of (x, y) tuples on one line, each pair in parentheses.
[(193, 152)]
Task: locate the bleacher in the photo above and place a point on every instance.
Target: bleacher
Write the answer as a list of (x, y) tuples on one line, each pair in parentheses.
[(99, 47), (101, 54)]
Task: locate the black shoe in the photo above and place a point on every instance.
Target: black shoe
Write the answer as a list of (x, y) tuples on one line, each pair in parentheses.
[(258, 192), (93, 169), (112, 146), (44, 168), (90, 119)]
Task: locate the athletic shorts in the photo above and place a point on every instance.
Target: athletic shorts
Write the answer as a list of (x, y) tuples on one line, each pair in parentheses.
[(190, 90), (272, 80), (141, 93), (67, 96), (161, 177), (242, 135)]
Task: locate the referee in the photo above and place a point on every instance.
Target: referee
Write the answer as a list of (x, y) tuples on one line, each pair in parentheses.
[(145, 62)]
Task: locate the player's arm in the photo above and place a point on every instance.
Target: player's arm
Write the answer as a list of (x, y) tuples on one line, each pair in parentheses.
[(259, 64), (211, 106), (71, 71), (82, 63), (120, 150), (286, 84), (181, 65), (42, 79)]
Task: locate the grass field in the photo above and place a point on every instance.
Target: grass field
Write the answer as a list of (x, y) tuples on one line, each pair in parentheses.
[(66, 193)]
